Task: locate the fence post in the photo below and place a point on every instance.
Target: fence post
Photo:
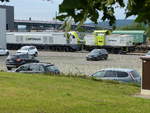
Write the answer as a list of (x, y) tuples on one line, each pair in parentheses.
[(145, 85)]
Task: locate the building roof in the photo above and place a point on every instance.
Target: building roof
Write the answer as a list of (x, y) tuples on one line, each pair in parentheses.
[(44, 22)]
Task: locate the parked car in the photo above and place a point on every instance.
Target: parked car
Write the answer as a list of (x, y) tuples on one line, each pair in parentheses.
[(4, 52), (38, 68), (148, 53), (97, 54), (14, 61), (119, 74), (31, 50)]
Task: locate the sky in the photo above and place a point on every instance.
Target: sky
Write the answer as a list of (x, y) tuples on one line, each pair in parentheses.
[(43, 10)]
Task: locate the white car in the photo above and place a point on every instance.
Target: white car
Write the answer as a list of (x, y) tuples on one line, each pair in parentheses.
[(31, 50), (4, 51), (148, 53)]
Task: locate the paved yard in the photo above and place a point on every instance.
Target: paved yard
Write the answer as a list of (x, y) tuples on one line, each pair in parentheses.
[(73, 62)]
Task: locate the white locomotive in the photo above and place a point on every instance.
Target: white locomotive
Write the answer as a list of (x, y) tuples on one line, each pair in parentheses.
[(44, 40), (71, 41)]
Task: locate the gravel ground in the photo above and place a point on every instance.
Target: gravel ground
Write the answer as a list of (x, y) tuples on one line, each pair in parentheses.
[(73, 62)]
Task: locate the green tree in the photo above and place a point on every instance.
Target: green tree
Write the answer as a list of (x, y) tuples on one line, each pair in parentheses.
[(80, 10), (67, 24), (140, 8)]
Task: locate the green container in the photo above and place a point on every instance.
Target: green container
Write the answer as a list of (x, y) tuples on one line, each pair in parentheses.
[(139, 35)]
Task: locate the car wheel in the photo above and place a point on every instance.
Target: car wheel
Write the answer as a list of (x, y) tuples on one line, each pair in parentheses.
[(9, 68), (36, 54), (106, 57), (88, 59), (7, 53), (37, 61)]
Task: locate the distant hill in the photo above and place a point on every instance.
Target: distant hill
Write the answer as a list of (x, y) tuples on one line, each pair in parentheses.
[(119, 23)]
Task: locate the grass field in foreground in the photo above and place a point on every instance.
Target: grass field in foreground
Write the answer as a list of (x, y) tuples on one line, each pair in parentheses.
[(24, 93)]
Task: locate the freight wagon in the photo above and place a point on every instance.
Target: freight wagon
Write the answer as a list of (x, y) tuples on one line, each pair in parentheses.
[(139, 36), (58, 41)]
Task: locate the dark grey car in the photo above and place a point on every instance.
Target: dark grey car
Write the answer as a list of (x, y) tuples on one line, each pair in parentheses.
[(38, 68), (119, 74), (14, 61), (97, 54)]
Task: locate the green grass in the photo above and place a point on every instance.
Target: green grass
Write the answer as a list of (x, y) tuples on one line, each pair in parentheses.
[(24, 93)]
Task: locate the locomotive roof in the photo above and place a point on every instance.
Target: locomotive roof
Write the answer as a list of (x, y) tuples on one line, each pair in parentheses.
[(129, 31)]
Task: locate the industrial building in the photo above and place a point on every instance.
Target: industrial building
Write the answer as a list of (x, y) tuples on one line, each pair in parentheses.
[(9, 17), (44, 25), (29, 25), (2, 28)]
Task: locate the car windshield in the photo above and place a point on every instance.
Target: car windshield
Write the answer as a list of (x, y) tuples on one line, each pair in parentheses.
[(18, 56), (11, 57), (25, 48), (51, 68), (95, 51), (23, 68), (99, 74), (148, 53), (135, 74)]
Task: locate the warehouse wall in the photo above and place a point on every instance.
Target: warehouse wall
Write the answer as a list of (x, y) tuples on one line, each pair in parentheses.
[(2, 28), (9, 17)]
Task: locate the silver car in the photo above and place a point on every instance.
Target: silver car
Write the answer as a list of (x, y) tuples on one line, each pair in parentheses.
[(4, 52), (119, 74), (148, 53)]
